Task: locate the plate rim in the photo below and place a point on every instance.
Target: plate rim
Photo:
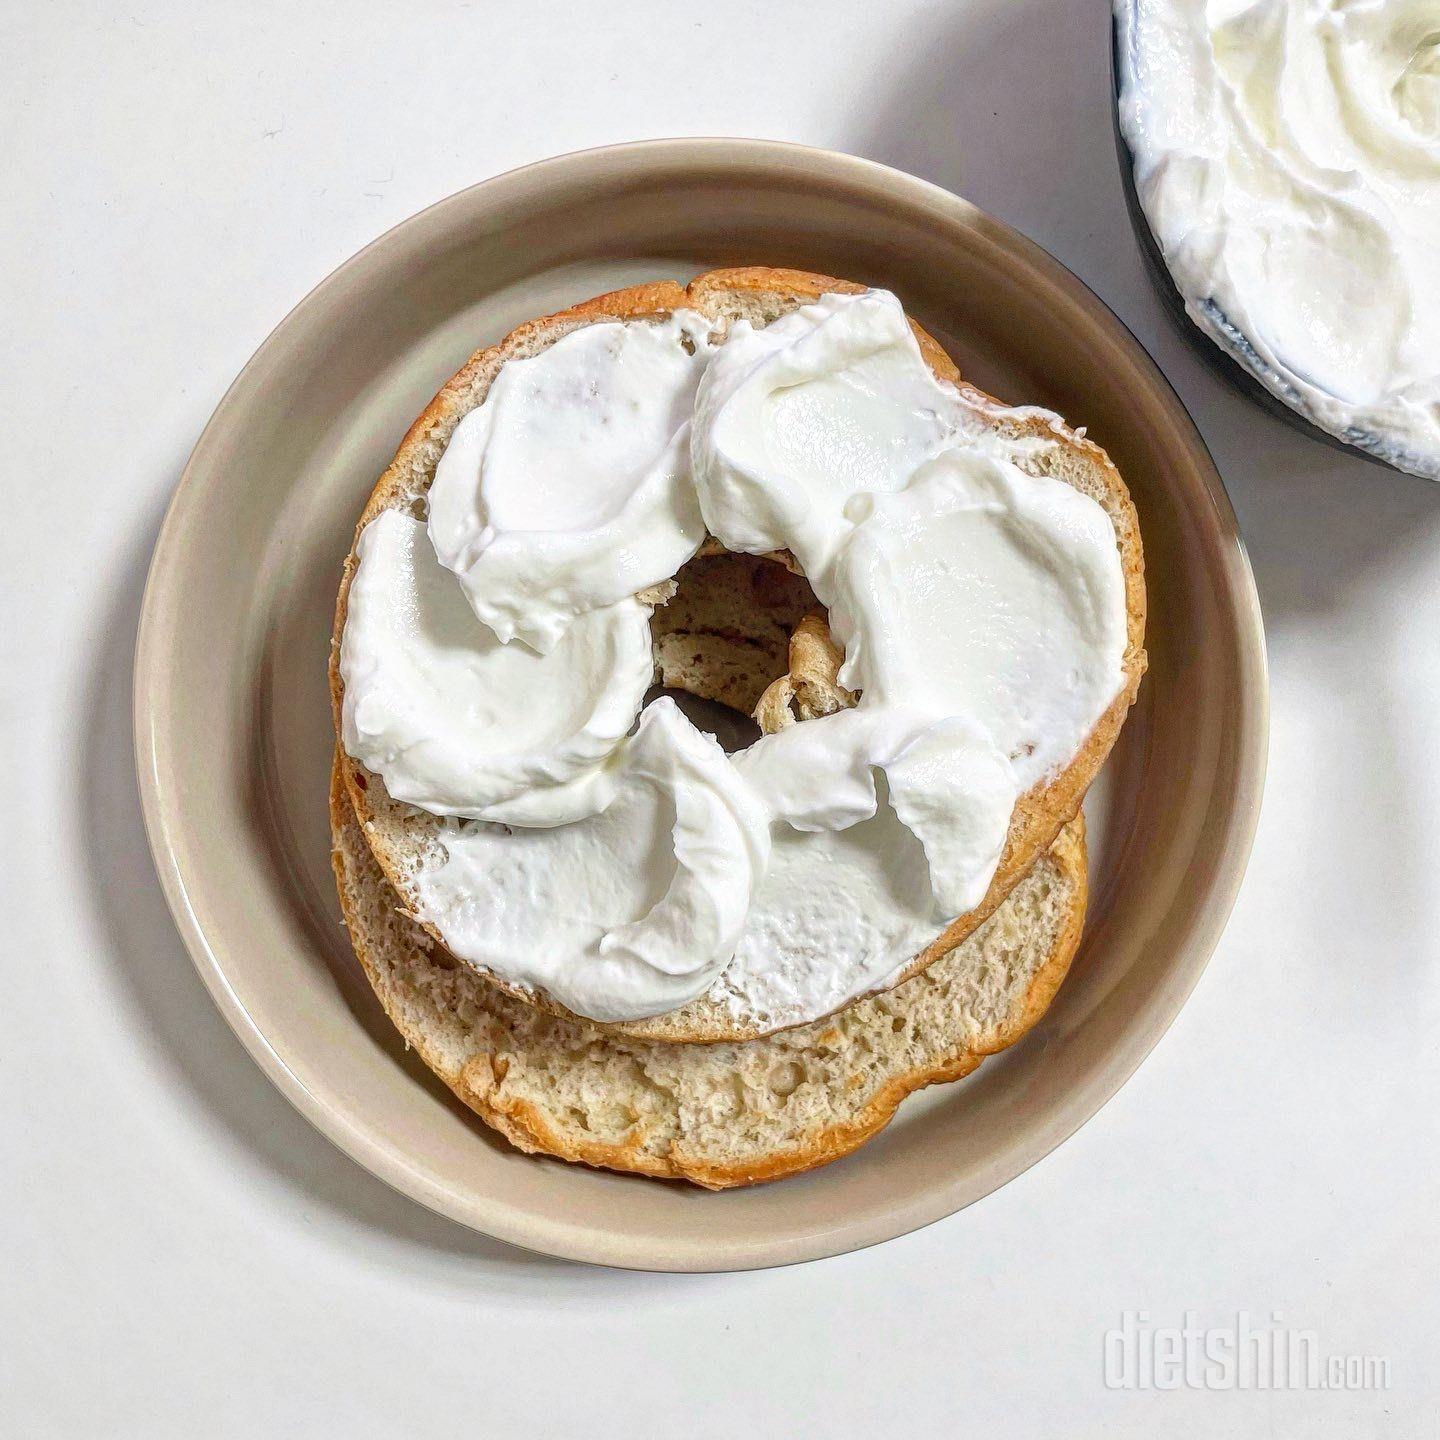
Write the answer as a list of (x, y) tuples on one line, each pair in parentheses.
[(550, 1235)]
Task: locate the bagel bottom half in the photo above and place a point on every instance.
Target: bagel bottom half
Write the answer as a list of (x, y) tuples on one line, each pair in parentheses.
[(725, 1114)]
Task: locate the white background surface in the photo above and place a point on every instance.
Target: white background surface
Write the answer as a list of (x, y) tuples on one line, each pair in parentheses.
[(185, 1256)]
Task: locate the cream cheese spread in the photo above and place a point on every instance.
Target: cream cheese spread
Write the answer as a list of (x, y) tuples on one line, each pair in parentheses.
[(837, 913), (947, 782), (638, 867), (569, 487), (985, 592), (1287, 157), (628, 913), (793, 421), (459, 724), (983, 612)]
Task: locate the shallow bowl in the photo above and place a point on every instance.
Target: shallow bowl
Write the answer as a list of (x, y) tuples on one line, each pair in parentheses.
[(233, 724)]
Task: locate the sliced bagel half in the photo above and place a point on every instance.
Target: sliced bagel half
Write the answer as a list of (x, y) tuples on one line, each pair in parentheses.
[(725, 1114), (405, 839)]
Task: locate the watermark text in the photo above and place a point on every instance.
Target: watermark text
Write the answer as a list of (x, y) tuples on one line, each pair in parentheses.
[(1242, 1353)]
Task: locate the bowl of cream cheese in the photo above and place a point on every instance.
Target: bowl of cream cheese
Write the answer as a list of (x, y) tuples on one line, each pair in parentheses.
[(1281, 162)]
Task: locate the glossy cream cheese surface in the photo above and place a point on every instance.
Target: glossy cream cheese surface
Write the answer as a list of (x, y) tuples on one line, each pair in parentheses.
[(630, 912), (795, 420), (985, 592), (569, 487), (1287, 156), (459, 724)]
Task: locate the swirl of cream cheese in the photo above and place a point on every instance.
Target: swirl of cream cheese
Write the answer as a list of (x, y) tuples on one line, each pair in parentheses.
[(459, 724), (628, 913), (568, 488), (1287, 157), (794, 420)]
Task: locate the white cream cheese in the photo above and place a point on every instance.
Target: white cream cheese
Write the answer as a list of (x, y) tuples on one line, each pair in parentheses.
[(459, 724), (982, 610), (954, 791), (793, 421), (947, 782), (626, 914), (569, 488), (1287, 156), (985, 592), (838, 912)]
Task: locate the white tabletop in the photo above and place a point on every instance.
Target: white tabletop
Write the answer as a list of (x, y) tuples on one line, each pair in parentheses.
[(187, 1257)]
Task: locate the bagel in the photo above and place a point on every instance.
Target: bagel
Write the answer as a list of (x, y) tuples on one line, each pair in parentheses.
[(727, 661), (717, 1115)]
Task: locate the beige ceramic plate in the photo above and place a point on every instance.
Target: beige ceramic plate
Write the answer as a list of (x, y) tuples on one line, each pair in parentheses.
[(233, 725)]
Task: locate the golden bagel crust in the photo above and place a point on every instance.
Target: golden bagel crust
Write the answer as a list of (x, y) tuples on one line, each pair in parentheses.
[(401, 836), (478, 1039)]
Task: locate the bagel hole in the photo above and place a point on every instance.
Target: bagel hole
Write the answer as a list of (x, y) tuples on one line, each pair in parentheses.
[(730, 727), (724, 636)]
